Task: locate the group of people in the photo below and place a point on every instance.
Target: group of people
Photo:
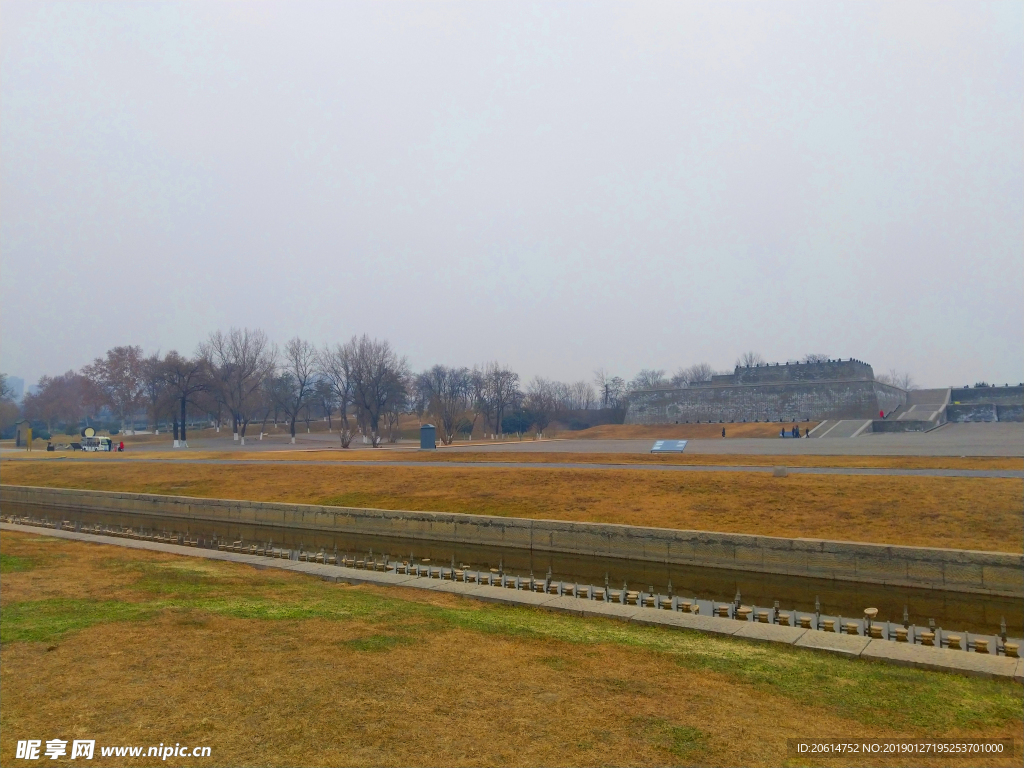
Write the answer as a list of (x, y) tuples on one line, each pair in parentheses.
[(794, 432)]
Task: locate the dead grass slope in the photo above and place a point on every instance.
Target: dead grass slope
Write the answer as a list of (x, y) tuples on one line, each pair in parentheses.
[(958, 513), (274, 668)]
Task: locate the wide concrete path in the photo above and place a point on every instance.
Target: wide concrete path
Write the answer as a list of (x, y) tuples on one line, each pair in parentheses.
[(939, 659), (989, 473), (998, 439)]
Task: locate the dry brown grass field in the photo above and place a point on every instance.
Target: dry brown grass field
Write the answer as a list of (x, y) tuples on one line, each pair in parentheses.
[(406, 453), (273, 668), (959, 513)]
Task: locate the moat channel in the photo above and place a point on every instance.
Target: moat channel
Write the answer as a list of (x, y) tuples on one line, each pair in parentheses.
[(949, 610)]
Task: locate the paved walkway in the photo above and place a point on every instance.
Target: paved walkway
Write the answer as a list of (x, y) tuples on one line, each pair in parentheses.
[(940, 659), (442, 464)]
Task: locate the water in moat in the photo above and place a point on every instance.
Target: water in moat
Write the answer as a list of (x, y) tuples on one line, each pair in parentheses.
[(949, 610)]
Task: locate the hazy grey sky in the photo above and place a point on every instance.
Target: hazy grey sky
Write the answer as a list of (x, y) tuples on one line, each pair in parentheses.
[(557, 186)]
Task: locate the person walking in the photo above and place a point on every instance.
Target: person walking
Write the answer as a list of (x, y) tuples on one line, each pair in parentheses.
[(723, 431)]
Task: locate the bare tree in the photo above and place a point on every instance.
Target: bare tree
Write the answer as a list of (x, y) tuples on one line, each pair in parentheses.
[(610, 389), (267, 400), (697, 372), (397, 404), (579, 396), (648, 378), (895, 378), (294, 387), (241, 360), (154, 386), (602, 380), (500, 391), (448, 392), (119, 377), (749, 360), (481, 403), (9, 410), (541, 401), (816, 357), (186, 378), (57, 399), (336, 367), (379, 378), (323, 393)]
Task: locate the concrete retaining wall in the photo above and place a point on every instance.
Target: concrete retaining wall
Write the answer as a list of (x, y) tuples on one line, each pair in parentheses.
[(998, 395), (1010, 412), (974, 412), (946, 569), (907, 425)]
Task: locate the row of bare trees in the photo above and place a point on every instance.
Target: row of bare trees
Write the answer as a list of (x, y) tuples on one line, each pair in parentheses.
[(241, 376), (459, 397)]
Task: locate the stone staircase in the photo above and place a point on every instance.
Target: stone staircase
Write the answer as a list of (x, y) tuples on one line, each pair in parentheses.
[(924, 410), (836, 428)]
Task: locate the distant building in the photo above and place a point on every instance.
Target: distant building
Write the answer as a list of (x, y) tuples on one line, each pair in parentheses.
[(17, 385), (835, 389)]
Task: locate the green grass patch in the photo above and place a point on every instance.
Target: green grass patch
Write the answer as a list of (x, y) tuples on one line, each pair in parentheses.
[(686, 740), (15, 564), (47, 620), (376, 643), (682, 741), (871, 693)]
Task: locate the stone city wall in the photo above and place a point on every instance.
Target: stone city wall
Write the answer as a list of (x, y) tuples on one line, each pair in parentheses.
[(955, 570), (836, 389), (765, 402), (833, 370)]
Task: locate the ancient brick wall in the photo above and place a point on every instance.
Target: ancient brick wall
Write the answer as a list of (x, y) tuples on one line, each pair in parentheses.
[(791, 392)]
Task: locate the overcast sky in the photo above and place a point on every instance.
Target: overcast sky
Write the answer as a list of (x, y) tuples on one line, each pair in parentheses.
[(555, 186)]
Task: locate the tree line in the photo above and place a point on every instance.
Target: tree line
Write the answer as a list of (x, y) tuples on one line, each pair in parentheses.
[(241, 377)]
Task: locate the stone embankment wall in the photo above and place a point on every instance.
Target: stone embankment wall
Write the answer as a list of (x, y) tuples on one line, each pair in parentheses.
[(986, 404), (945, 569), (765, 402), (792, 392)]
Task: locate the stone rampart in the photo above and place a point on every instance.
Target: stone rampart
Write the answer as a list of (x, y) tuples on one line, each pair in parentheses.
[(766, 402), (791, 392), (833, 370), (946, 569)]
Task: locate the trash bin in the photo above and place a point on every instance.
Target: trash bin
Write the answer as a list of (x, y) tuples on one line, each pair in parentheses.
[(428, 437)]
